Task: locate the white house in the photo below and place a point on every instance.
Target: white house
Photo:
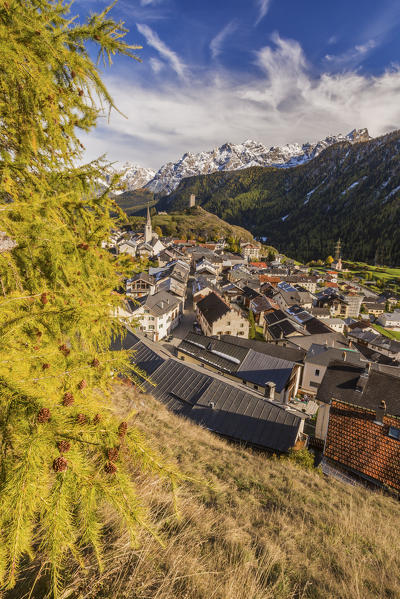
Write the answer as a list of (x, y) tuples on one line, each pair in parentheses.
[(390, 320), (158, 314)]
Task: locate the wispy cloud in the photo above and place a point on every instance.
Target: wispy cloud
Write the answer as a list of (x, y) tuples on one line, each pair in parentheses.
[(218, 40), (286, 103), (150, 2), (353, 56), (156, 65), (155, 42), (263, 7)]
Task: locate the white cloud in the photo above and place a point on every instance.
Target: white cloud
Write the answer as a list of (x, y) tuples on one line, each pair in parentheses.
[(155, 42), (150, 2), (218, 40), (287, 103), (352, 57), (156, 65), (263, 8)]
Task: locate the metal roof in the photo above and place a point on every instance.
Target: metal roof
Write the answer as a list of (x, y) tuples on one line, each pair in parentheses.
[(231, 412), (126, 342), (146, 359), (260, 369), (224, 408)]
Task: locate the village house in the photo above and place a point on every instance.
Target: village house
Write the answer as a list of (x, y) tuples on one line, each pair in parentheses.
[(390, 320), (317, 360), (359, 419), (216, 317), (139, 285), (250, 251), (278, 379), (278, 327), (157, 315), (222, 406)]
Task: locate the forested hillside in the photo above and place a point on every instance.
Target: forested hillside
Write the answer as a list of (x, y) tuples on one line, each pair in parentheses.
[(348, 191)]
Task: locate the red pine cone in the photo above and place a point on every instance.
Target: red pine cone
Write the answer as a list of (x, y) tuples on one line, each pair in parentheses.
[(83, 246), (81, 418), (60, 464), (82, 384), (68, 399), (94, 363), (110, 468), (73, 74), (63, 446), (123, 427), (45, 366), (43, 298), (64, 349), (80, 92), (112, 454), (96, 419), (43, 415)]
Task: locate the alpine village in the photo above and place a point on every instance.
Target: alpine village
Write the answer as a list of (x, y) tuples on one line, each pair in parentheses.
[(200, 365)]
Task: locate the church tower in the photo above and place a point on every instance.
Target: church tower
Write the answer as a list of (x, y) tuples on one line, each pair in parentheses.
[(148, 233)]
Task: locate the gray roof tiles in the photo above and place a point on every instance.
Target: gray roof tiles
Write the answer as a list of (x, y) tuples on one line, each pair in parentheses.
[(260, 369)]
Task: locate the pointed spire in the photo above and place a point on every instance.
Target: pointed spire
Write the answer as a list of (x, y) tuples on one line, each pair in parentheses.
[(148, 232)]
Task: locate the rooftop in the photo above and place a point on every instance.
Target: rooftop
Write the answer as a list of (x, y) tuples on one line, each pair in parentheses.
[(212, 307)]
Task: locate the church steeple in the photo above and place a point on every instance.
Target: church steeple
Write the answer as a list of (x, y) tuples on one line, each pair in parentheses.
[(148, 232)]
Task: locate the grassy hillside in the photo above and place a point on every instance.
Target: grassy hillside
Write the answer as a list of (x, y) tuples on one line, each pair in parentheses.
[(348, 191), (197, 222), (253, 527)]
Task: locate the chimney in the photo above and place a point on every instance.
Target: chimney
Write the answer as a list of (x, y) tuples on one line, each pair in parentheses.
[(380, 413), (270, 390), (211, 405), (344, 355)]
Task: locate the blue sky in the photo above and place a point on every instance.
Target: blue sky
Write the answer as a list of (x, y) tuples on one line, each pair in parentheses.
[(278, 71)]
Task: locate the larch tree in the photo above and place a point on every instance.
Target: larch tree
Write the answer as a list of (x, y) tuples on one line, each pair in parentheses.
[(64, 454)]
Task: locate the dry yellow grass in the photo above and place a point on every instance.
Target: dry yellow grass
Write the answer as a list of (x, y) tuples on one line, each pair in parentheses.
[(260, 528)]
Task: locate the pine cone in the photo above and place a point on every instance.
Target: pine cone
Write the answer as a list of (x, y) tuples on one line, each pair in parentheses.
[(43, 298), (83, 246), (112, 454), (123, 427), (63, 446), (73, 74), (96, 419), (43, 415), (80, 92), (68, 399), (94, 363), (81, 418), (110, 468), (64, 349), (60, 464), (45, 366), (82, 384)]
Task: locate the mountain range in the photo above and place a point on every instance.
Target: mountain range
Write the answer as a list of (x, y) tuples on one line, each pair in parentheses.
[(349, 191), (228, 157)]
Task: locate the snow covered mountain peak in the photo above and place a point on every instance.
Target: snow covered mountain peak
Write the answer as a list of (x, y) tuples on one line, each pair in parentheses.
[(230, 157)]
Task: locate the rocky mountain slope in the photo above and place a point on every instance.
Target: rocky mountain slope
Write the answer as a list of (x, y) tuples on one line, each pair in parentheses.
[(133, 176), (350, 190), (229, 157)]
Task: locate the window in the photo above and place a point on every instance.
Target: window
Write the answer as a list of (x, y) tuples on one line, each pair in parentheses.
[(317, 372), (394, 432)]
